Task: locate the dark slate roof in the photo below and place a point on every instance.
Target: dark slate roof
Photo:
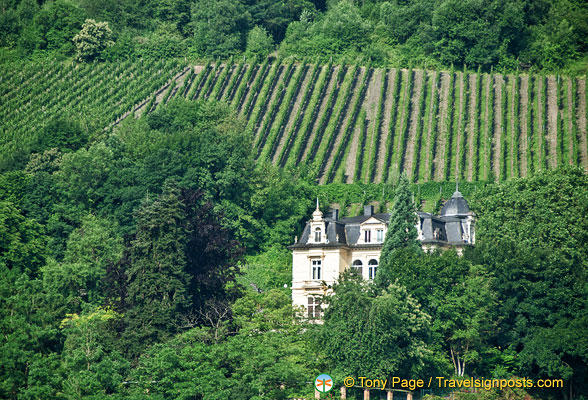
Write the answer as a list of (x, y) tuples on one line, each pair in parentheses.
[(457, 205), (347, 229), (446, 228)]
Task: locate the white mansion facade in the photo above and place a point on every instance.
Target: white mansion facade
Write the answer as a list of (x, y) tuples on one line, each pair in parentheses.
[(329, 245)]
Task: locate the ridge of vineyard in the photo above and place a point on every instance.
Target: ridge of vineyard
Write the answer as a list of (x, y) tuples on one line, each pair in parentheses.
[(357, 124)]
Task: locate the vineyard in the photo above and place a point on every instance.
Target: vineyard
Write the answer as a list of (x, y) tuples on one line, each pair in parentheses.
[(34, 93), (354, 124), (358, 124)]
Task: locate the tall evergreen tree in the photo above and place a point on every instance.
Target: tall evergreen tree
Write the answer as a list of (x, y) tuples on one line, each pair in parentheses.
[(402, 231), (158, 282)]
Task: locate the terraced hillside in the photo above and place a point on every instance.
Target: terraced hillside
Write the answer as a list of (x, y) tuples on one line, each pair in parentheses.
[(369, 125), (33, 94), (355, 124)]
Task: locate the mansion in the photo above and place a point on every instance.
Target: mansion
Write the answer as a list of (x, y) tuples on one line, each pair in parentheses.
[(329, 245)]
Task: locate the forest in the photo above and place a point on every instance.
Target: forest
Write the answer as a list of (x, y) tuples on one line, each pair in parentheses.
[(503, 35), (158, 157)]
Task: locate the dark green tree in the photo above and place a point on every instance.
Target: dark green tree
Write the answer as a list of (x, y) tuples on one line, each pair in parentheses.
[(158, 283), (219, 27), (402, 233), (361, 318), (57, 23), (530, 235)]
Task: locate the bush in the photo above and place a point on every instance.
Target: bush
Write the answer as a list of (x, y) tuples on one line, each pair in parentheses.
[(259, 43), (93, 39)]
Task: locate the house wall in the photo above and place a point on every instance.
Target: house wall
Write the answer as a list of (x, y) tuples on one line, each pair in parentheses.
[(333, 263)]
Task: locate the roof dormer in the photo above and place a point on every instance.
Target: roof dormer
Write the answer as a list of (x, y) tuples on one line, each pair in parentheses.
[(318, 231)]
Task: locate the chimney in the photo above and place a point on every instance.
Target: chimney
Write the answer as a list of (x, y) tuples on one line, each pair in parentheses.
[(335, 214), (368, 210)]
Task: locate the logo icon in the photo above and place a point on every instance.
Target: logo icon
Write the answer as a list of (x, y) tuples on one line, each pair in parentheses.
[(323, 383)]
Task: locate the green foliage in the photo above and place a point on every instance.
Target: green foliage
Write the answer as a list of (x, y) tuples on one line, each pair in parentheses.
[(29, 330), (157, 290), (37, 105), (77, 283), (341, 30), (62, 134), (259, 43), (219, 28), (538, 258), (92, 40), (91, 366), (401, 229), (57, 23), (21, 240), (269, 357), (270, 269), (359, 319)]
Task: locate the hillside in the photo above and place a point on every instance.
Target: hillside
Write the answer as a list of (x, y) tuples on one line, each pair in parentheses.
[(92, 94), (365, 124), (355, 124)]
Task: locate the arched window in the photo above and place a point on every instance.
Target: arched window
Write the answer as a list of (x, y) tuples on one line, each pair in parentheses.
[(317, 235), (358, 265), (372, 268)]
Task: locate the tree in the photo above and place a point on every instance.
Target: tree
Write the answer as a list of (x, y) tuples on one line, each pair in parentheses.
[(92, 40), (181, 260), (342, 30), (92, 366), (21, 242), (29, 328), (78, 281), (267, 356), (212, 253), (529, 234), (465, 315), (361, 318), (219, 27), (474, 32), (275, 16), (402, 233), (259, 43), (158, 283), (60, 133), (58, 22)]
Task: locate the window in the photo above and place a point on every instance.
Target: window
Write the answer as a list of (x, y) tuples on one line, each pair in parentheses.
[(317, 235), (358, 266), (372, 268), (314, 307), (368, 236), (380, 235), (316, 269)]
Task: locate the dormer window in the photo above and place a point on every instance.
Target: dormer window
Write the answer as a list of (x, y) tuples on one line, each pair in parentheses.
[(317, 235), (368, 236), (380, 235)]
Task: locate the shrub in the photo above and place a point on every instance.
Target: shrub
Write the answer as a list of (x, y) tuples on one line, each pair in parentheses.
[(93, 39)]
